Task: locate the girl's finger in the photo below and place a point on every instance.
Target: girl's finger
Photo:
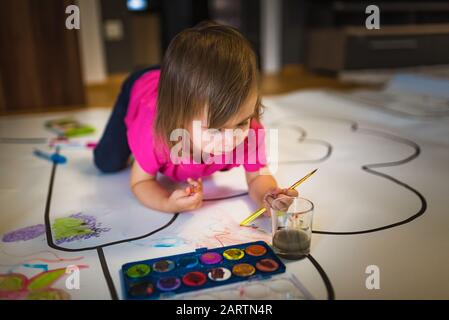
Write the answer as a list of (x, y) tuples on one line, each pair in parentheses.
[(180, 193), (192, 182), (195, 186), (200, 181), (194, 200), (276, 191), (187, 201), (291, 193), (278, 204), (268, 199)]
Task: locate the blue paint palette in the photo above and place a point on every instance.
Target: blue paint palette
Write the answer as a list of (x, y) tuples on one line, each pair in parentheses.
[(203, 269)]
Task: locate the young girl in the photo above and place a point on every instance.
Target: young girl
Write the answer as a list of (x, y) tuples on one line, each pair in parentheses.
[(206, 87)]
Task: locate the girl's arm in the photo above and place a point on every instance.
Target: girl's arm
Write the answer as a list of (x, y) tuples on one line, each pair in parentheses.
[(152, 195), (259, 185)]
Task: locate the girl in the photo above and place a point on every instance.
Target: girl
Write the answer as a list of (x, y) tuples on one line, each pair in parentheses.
[(206, 88)]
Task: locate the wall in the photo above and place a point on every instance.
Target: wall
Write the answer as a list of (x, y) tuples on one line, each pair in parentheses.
[(39, 60)]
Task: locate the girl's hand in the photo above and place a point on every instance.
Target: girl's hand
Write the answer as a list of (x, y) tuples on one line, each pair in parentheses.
[(187, 199), (195, 185), (284, 199)]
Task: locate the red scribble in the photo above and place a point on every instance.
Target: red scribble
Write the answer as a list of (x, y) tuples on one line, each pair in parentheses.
[(58, 258)]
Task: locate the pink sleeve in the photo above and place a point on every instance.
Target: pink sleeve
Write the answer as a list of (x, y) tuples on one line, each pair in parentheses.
[(255, 157), (139, 121), (142, 146)]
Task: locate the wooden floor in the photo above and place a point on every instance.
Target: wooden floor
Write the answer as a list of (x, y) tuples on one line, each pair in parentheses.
[(295, 77), (291, 78)]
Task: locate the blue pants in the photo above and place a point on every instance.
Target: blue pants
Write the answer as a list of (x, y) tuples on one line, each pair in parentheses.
[(112, 151)]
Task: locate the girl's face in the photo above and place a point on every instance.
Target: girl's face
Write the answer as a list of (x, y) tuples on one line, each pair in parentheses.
[(230, 135)]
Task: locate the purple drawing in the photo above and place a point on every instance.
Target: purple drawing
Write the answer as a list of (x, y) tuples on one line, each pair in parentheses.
[(75, 227), (24, 234)]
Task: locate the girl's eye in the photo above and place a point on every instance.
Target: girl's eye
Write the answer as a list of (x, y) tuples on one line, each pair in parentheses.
[(216, 131), (243, 124)]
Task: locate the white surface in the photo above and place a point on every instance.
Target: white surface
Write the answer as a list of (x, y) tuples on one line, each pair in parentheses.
[(413, 258)]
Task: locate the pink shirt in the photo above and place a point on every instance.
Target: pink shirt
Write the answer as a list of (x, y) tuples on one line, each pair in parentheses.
[(153, 158)]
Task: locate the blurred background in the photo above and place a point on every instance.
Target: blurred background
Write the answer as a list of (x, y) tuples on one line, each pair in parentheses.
[(300, 44)]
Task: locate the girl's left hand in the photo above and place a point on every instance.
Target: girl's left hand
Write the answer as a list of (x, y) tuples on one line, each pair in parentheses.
[(284, 196)]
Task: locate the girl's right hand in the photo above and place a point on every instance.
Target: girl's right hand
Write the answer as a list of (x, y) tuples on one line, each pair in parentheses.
[(283, 197), (187, 199)]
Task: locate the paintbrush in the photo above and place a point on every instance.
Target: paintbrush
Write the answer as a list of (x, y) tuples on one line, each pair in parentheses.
[(257, 213)]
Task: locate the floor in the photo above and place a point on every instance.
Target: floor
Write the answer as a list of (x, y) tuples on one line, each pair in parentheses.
[(380, 204), (292, 77), (379, 199)]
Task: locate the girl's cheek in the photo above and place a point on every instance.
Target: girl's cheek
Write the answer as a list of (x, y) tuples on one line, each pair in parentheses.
[(238, 139), (197, 144), (220, 142), (211, 142)]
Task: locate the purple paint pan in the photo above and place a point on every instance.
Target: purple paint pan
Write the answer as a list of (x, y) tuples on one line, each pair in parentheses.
[(168, 283), (211, 258)]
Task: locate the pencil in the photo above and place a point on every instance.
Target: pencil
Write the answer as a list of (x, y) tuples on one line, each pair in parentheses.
[(260, 211)]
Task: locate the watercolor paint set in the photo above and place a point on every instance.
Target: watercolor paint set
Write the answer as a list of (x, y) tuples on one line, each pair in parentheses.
[(202, 269)]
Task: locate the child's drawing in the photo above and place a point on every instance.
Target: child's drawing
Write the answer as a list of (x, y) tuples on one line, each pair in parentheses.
[(38, 260), (164, 242), (17, 286), (216, 228), (77, 226), (24, 234)]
